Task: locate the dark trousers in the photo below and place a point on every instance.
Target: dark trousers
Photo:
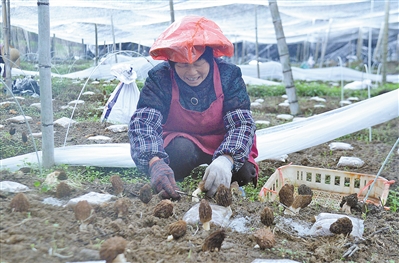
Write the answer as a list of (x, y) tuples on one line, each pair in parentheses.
[(184, 156)]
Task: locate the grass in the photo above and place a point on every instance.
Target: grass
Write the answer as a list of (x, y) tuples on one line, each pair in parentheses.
[(315, 88), (60, 68)]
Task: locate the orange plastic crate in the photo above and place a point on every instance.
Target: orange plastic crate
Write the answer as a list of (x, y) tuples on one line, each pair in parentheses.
[(328, 186)]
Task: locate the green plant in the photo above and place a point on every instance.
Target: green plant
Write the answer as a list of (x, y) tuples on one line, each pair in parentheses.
[(364, 214), (316, 88), (42, 187), (393, 200), (251, 192), (190, 183), (97, 243)]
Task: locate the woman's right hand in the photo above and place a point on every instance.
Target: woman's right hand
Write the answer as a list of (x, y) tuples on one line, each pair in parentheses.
[(163, 179)]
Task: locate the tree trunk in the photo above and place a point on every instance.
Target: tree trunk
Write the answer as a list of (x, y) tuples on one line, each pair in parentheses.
[(284, 59)]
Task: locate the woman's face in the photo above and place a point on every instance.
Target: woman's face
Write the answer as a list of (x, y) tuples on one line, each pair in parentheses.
[(193, 74)]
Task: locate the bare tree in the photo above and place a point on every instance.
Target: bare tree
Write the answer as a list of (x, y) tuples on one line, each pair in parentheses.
[(284, 59)]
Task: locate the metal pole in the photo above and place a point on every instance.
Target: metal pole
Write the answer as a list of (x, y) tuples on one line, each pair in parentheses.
[(96, 40), (172, 11), (45, 84), (6, 46), (113, 39), (370, 35), (256, 37), (324, 45)]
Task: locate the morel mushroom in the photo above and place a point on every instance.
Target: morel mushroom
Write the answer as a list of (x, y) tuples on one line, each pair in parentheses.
[(303, 189), (145, 193), (112, 250), (300, 201), (343, 225), (163, 209), (349, 202), (19, 203), (205, 214), (117, 184), (286, 194), (199, 190), (12, 131), (24, 137), (223, 196), (121, 206), (177, 229), (61, 175), (63, 190), (267, 216), (214, 241), (84, 212), (265, 238)]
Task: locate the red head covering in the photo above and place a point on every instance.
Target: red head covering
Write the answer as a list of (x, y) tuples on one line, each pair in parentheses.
[(184, 41)]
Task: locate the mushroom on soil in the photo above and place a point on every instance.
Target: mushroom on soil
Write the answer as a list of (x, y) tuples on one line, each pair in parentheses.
[(112, 250), (177, 229), (264, 238), (121, 206), (348, 203), (145, 193), (223, 196), (117, 184), (300, 201), (205, 214), (63, 190), (267, 216), (214, 241), (84, 213), (163, 209), (343, 225), (19, 203)]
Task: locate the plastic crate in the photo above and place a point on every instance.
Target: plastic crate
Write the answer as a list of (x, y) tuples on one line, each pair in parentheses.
[(328, 186)]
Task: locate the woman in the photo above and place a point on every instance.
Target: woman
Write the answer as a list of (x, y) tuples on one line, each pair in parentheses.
[(193, 110)]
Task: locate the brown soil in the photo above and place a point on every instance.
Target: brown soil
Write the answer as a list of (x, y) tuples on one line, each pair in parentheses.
[(51, 233)]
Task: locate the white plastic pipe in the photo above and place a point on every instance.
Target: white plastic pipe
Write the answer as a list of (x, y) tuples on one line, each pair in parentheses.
[(272, 142)]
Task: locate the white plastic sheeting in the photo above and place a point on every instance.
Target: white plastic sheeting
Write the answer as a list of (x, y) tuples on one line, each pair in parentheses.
[(272, 142), (268, 71), (318, 129), (142, 21)]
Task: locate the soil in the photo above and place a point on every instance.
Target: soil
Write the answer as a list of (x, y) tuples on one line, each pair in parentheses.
[(48, 233)]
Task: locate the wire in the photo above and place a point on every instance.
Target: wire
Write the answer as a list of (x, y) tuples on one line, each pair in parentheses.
[(379, 172)]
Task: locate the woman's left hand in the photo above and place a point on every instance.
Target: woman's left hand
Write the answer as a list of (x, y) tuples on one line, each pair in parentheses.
[(217, 173)]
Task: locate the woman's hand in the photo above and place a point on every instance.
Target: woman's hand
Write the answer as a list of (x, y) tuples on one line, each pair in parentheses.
[(217, 173), (163, 179)]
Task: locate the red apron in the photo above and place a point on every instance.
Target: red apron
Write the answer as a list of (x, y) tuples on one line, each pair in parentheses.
[(205, 129)]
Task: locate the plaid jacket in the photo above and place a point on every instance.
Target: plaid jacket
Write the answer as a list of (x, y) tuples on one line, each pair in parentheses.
[(145, 128)]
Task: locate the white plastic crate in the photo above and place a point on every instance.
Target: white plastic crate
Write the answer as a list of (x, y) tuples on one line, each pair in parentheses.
[(328, 186)]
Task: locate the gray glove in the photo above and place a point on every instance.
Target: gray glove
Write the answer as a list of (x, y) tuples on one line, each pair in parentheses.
[(217, 173)]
